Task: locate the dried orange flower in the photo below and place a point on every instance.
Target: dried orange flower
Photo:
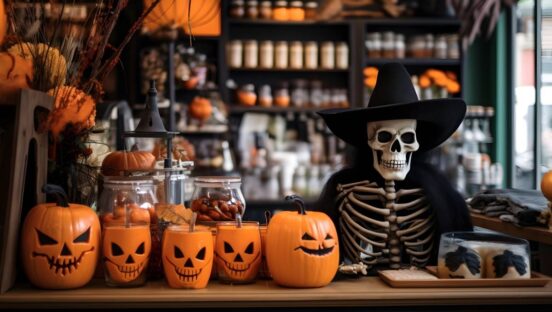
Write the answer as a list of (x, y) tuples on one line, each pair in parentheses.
[(71, 106)]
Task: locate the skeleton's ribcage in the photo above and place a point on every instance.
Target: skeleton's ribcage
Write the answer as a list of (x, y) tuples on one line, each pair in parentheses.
[(379, 225)]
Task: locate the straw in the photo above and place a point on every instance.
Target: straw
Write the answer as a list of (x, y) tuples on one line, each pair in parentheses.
[(193, 221), (239, 219)]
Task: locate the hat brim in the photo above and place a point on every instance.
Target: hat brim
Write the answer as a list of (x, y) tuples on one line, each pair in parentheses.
[(437, 120)]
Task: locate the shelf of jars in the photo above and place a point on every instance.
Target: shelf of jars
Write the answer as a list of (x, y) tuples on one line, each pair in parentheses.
[(414, 61), (240, 109), (315, 70)]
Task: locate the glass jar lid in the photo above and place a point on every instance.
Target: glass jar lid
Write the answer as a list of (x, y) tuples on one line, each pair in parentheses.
[(222, 181)]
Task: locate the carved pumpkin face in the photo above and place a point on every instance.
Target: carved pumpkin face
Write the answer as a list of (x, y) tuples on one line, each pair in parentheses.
[(126, 252), (238, 252), (60, 244), (302, 249), (187, 257)]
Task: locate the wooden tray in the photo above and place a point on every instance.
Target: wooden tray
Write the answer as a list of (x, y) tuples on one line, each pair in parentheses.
[(536, 280)]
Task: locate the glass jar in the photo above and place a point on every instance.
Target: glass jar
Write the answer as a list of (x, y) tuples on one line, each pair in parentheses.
[(281, 55), (281, 96), (280, 11), (416, 47), (251, 54), (311, 55), (252, 9), (265, 11), (299, 93), (296, 55), (429, 45), (342, 56), (237, 9), (235, 54), (217, 198), (373, 45), (296, 11), (453, 50), (327, 55), (388, 45), (399, 46), (265, 96), (440, 49), (315, 96), (266, 58), (311, 9)]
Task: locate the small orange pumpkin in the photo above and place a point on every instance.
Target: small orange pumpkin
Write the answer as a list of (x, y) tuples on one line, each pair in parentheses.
[(60, 243), (200, 108), (74, 107), (187, 256), (302, 249), (119, 161), (15, 73)]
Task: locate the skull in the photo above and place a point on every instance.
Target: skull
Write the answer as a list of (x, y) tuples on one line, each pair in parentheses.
[(392, 143)]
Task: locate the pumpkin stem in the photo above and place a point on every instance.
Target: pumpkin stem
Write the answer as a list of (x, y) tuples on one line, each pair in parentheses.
[(298, 202), (58, 192)]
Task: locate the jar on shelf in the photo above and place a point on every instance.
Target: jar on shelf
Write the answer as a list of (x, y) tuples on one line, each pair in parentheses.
[(429, 45), (400, 49), (440, 48), (453, 50), (299, 93), (280, 11), (217, 198), (416, 47), (237, 9), (296, 11), (281, 95), (296, 55), (311, 55), (266, 56), (311, 8), (252, 9), (281, 55), (265, 10), (388, 45), (315, 95), (246, 95), (251, 54), (327, 55), (265, 96), (235, 54), (342, 55)]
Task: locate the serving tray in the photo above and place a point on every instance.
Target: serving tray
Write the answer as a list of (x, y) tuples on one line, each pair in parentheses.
[(536, 280)]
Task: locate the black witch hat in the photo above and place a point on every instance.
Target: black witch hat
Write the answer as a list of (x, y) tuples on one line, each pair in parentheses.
[(394, 97)]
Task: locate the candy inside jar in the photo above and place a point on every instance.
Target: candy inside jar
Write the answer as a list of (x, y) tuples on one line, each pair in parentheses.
[(217, 199)]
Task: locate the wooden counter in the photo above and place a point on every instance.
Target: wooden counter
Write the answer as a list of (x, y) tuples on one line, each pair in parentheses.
[(367, 291)]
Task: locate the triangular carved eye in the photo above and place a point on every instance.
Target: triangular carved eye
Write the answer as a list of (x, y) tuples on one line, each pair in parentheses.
[(306, 236), (249, 249), (328, 236), (141, 249), (116, 250), (178, 253), (201, 254), (44, 239), (228, 248), (83, 238)]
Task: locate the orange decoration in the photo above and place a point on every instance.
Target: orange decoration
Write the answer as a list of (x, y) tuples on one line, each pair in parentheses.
[(424, 81), (370, 71), (370, 82), (72, 107), (237, 252), (15, 73), (183, 150), (453, 87), (119, 161), (281, 101), (546, 185), (280, 14), (60, 243), (126, 251), (187, 257), (200, 108), (302, 249), (247, 98), (3, 21)]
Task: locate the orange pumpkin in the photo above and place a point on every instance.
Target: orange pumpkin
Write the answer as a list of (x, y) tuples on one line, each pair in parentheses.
[(126, 252), (200, 108), (60, 243), (15, 73), (183, 150), (237, 252), (72, 107), (187, 257), (302, 249), (3, 22), (119, 161)]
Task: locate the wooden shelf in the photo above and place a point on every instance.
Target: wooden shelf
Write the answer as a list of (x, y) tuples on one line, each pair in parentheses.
[(532, 233), (366, 291), (420, 21), (414, 61), (244, 21), (239, 109), (291, 70)]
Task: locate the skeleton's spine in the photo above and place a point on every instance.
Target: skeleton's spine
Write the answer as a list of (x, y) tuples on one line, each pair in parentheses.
[(394, 245)]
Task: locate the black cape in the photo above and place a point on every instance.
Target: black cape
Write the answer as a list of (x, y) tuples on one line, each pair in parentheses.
[(450, 208)]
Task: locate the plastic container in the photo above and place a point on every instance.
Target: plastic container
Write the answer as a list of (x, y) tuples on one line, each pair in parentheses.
[(217, 198)]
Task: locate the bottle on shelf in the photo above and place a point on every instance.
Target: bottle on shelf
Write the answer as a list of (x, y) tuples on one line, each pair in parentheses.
[(252, 9), (280, 11), (342, 55), (296, 55), (265, 96), (235, 54), (311, 55), (327, 55), (311, 8), (237, 9), (266, 57), (265, 10), (281, 55), (251, 54), (296, 11)]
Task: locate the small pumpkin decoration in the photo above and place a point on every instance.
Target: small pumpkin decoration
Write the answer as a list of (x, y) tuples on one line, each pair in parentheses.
[(302, 249), (237, 251), (126, 252), (15, 73), (187, 256), (60, 243), (71, 106), (45, 56), (116, 163), (200, 108)]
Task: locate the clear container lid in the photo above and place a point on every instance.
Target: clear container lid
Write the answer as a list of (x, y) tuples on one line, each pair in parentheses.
[(122, 182), (217, 181)]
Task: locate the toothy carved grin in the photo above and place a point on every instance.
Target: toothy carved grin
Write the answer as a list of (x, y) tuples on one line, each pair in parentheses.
[(238, 269), (63, 266), (186, 275), (316, 252), (129, 271)]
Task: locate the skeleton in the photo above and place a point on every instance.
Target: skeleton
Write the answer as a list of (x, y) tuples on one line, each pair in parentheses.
[(380, 225)]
